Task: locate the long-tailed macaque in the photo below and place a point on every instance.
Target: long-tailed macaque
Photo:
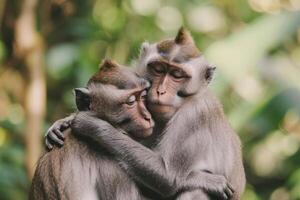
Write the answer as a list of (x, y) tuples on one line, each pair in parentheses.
[(79, 171), (193, 144)]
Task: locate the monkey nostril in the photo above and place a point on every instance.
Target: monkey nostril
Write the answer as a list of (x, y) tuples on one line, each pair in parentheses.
[(161, 92), (147, 117)]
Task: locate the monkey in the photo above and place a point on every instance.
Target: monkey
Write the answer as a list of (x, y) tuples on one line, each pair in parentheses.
[(193, 144), (79, 171)]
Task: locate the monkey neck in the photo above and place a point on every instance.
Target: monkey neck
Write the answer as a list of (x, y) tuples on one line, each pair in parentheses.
[(202, 107)]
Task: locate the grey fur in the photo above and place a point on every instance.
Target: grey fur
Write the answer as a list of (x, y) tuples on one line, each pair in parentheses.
[(193, 154), (196, 149), (80, 169)]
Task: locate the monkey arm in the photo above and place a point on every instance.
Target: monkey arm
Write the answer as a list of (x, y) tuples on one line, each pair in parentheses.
[(147, 166), (55, 134)]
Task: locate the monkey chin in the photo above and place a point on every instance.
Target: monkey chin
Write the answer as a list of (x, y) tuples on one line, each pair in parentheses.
[(142, 133), (147, 132)]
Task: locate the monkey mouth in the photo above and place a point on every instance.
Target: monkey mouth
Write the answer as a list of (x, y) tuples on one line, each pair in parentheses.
[(144, 132), (159, 103), (159, 107), (151, 126), (146, 128)]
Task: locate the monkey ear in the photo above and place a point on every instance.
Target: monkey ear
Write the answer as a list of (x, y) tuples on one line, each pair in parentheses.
[(83, 99), (209, 73), (108, 65), (144, 47), (183, 37)]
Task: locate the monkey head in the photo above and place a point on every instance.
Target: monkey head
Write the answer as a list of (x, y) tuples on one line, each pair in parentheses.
[(117, 95), (177, 71)]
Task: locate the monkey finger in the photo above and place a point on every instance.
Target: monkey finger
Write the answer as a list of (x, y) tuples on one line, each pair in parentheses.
[(54, 139), (65, 126), (49, 146), (69, 122), (231, 188), (224, 196), (228, 192), (59, 134)]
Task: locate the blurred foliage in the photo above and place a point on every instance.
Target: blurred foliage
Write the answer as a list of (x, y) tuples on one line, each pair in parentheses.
[(254, 44)]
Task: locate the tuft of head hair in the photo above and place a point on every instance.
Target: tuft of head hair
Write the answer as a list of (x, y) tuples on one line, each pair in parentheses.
[(181, 49), (108, 69), (184, 37), (108, 65)]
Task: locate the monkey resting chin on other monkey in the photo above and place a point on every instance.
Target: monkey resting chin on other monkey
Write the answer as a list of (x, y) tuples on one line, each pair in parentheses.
[(81, 170)]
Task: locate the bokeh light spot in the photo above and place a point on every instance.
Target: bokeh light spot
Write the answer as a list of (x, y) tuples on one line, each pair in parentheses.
[(145, 7), (169, 19), (206, 19)]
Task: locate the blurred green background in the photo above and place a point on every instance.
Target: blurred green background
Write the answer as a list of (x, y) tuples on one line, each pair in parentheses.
[(49, 47)]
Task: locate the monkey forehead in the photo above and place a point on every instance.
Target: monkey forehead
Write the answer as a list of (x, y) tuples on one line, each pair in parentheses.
[(133, 80), (195, 65), (178, 53), (168, 51), (109, 93), (137, 82), (190, 66), (149, 53)]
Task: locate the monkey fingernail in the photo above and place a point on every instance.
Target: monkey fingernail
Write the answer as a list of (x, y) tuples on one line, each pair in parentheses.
[(54, 139), (65, 126), (48, 145), (225, 196), (228, 193)]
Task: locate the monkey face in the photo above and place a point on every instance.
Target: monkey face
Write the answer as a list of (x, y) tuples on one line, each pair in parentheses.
[(177, 71), (167, 79), (123, 108), (173, 84), (117, 95), (136, 119)]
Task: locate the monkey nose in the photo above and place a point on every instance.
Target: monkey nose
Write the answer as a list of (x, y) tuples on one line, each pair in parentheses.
[(147, 117), (160, 92), (145, 114)]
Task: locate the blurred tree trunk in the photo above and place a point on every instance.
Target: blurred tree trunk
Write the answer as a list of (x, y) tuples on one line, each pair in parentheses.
[(29, 46)]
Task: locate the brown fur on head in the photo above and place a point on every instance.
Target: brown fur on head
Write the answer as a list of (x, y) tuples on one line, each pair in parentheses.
[(180, 49), (117, 95), (111, 73), (163, 62)]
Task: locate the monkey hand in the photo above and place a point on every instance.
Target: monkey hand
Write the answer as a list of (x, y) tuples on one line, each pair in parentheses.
[(55, 134), (219, 186)]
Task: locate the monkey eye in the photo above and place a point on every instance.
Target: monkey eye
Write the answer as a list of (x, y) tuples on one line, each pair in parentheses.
[(177, 74), (157, 68), (131, 100), (144, 94)]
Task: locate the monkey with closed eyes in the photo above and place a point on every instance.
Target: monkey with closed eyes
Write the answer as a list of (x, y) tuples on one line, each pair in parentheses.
[(193, 144), (113, 94)]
